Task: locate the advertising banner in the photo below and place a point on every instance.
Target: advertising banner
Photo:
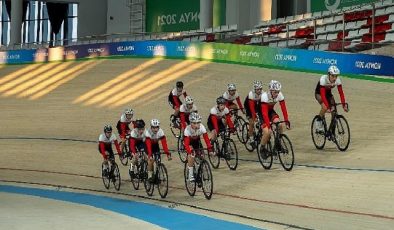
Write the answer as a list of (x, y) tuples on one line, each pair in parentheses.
[(172, 15), (323, 5), (305, 60)]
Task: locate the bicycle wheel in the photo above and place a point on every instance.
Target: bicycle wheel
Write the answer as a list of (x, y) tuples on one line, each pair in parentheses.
[(104, 175), (116, 180), (318, 136), (149, 187), (342, 133), (231, 155), (245, 132), (136, 180), (239, 128), (162, 180), (265, 155), (190, 185), (206, 179), (181, 151), (124, 158), (249, 146), (286, 153), (214, 159), (174, 127)]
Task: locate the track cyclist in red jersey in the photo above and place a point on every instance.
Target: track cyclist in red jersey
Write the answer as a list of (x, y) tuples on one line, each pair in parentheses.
[(192, 135), (185, 110), (268, 102), (219, 118), (324, 95), (123, 125), (174, 98), (231, 95), (106, 140), (152, 138), (252, 107)]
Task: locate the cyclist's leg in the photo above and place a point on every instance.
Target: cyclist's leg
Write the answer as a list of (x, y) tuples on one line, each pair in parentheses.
[(211, 128), (323, 108)]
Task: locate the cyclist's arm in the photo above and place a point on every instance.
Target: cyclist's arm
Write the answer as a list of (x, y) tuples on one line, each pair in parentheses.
[(215, 122), (148, 143), (183, 120), (123, 128), (164, 144), (252, 110), (132, 145), (176, 101), (186, 141), (284, 110), (230, 123), (207, 141), (240, 106), (264, 111), (323, 96), (117, 147), (102, 150), (341, 95)]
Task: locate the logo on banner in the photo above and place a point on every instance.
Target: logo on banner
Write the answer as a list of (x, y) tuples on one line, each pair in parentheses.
[(332, 4)]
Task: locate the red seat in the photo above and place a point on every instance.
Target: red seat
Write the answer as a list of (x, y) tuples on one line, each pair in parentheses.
[(275, 29), (378, 19), (355, 16), (303, 32), (242, 40), (340, 35), (210, 38), (381, 28), (378, 37), (337, 45)]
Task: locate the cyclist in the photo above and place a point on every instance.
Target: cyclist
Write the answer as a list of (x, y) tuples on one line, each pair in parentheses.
[(174, 100), (323, 92), (136, 142), (123, 125), (106, 140), (252, 106), (230, 95), (268, 101), (185, 110), (153, 135), (218, 113), (193, 132)]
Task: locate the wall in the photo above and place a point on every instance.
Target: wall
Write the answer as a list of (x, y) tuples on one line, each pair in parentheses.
[(92, 16), (120, 13), (291, 59)]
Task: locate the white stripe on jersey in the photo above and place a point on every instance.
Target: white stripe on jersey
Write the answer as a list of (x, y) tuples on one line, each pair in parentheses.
[(220, 114), (154, 136), (324, 81), (189, 132), (103, 138), (267, 98)]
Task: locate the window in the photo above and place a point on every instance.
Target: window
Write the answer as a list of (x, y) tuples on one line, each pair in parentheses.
[(36, 27)]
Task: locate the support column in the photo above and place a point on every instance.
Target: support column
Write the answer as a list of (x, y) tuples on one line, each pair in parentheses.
[(16, 21), (206, 13), (267, 9)]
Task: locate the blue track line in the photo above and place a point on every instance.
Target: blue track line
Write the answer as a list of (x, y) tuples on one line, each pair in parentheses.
[(327, 167), (158, 215)]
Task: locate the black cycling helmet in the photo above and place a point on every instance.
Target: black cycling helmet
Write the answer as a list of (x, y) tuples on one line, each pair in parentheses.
[(140, 124), (107, 128), (179, 84), (220, 100)]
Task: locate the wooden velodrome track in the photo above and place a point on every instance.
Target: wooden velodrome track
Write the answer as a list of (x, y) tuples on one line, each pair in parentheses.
[(45, 108)]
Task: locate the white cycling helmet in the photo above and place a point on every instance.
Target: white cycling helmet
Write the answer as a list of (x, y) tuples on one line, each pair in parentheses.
[(275, 85), (257, 85), (155, 123), (129, 111), (333, 70), (231, 86), (195, 118), (189, 100)]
